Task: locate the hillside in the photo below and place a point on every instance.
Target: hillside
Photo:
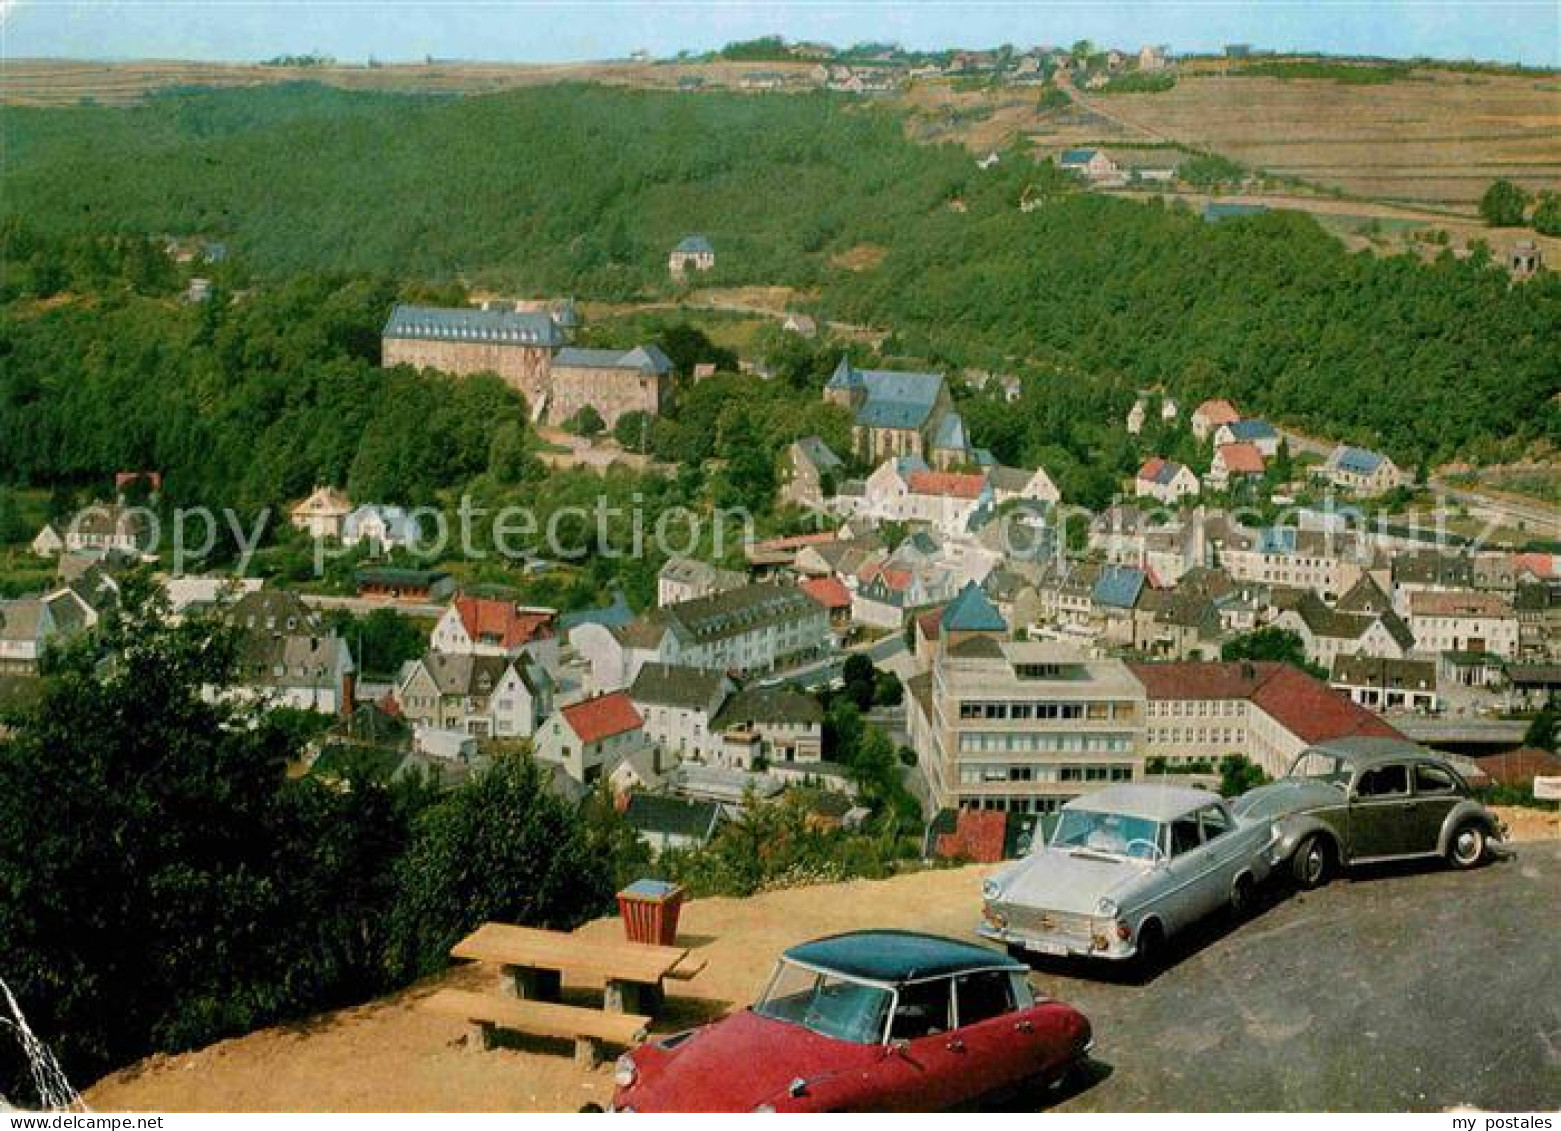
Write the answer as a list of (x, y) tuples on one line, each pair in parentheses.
[(1431, 361)]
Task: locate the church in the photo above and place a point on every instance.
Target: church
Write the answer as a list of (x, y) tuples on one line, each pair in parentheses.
[(900, 414)]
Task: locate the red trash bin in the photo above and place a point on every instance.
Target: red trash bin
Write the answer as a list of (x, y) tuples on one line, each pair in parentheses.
[(650, 911)]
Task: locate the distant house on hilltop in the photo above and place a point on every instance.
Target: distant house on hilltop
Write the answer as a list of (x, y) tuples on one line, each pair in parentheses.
[(1091, 163), (1362, 471), (692, 253)]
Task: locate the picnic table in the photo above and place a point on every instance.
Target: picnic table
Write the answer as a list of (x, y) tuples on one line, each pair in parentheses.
[(535, 961)]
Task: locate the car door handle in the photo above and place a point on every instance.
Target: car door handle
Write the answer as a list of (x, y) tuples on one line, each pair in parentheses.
[(955, 1045), (1024, 1026)]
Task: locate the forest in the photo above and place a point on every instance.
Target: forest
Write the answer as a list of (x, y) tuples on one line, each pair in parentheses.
[(1430, 361)]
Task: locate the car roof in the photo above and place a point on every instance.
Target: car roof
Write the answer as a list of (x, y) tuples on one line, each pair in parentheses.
[(1152, 801), (1362, 751), (896, 956)]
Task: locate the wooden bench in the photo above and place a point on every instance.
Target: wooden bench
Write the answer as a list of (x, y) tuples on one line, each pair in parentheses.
[(589, 1029), (535, 960)]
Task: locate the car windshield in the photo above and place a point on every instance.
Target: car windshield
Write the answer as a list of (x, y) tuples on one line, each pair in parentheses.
[(1111, 834), (827, 1004), (1321, 766)]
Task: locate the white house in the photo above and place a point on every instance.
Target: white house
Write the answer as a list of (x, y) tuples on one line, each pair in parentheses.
[(382, 527), (322, 514), (1361, 471), (481, 626), (684, 579), (587, 738), (1165, 481), (1463, 622), (678, 704), (48, 543), (1259, 433)]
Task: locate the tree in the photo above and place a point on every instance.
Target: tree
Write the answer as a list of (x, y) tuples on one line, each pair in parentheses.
[(502, 848), (586, 422), (633, 431), (12, 528), (1547, 214), (1541, 733), (1270, 645), (1238, 774), (166, 883), (860, 679), (1503, 204)]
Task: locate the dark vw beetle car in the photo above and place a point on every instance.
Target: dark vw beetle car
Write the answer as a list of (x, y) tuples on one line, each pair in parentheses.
[(867, 1021), (1359, 800)]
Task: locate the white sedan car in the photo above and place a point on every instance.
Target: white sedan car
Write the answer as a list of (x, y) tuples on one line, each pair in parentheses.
[(1125, 869)]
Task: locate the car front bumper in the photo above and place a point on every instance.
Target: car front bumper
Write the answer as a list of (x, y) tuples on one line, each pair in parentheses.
[(1102, 943)]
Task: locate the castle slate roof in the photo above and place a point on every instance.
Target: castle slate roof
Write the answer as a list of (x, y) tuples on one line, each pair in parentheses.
[(673, 685), (642, 359), (458, 324), (1253, 430), (901, 400), (1357, 461), (1118, 587)]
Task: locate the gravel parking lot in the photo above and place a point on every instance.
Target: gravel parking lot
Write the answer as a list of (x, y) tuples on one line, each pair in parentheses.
[(1415, 988)]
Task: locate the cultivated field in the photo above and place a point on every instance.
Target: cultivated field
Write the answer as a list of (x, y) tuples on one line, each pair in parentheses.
[(68, 82), (1436, 138)]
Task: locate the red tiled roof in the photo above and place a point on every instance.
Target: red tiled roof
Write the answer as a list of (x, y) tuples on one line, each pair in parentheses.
[(1193, 680), (1217, 411), (893, 576), (930, 623), (602, 717), (793, 542), (1540, 565), (1520, 767), (1241, 459), (1151, 468), (1307, 707), (1315, 712), (1435, 604), (828, 591), (958, 484), (500, 622)]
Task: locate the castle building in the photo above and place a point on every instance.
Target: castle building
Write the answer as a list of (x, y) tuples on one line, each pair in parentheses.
[(528, 349), (613, 382)]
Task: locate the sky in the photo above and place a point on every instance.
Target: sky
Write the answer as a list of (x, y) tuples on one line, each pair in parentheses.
[(1526, 31)]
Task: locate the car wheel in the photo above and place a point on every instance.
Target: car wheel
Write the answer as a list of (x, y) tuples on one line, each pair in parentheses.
[(1243, 894), (1313, 862), (1151, 948), (1467, 846)]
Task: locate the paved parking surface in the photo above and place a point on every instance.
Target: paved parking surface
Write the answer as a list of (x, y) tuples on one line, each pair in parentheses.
[(1411, 988)]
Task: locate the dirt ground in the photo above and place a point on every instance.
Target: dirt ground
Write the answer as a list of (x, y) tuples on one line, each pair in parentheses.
[(390, 1056)]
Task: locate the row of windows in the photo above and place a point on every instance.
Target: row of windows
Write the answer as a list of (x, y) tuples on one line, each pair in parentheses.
[(1024, 712), (1042, 742), (1016, 804), (1229, 735), (1177, 708), (992, 774)]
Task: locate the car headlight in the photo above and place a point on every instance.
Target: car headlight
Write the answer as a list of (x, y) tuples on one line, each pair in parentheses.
[(1107, 908), (991, 889), (625, 1072)]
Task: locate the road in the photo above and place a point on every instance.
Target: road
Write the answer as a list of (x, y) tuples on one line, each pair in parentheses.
[(1416, 988)]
